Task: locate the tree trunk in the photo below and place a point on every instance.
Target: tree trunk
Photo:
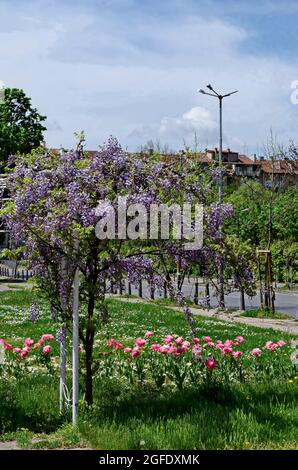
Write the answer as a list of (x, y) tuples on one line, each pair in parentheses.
[(196, 295), (88, 379), (242, 299)]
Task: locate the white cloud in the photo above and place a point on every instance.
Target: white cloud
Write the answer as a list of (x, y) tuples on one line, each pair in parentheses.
[(196, 125), (196, 120)]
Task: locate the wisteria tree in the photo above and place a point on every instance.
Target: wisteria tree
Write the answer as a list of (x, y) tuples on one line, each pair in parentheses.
[(54, 212)]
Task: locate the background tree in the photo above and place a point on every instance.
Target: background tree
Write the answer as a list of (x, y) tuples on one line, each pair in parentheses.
[(21, 128)]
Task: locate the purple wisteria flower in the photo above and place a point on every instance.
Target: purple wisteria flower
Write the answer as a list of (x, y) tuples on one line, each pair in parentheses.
[(61, 335), (34, 312)]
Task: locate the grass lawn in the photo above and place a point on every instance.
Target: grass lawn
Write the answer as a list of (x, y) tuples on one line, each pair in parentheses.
[(266, 313), (235, 416)]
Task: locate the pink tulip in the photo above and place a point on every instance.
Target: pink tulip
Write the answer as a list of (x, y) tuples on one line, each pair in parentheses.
[(111, 342), (237, 354), (17, 350), (179, 340), (256, 352), (155, 347), (148, 334), (185, 344), (172, 350), (47, 337), (268, 344), (228, 343), (207, 339), (140, 342), (210, 344), (168, 339), (7, 346), (29, 342), (127, 350), (24, 353), (293, 357), (180, 350), (164, 349), (196, 341), (240, 339), (136, 352), (226, 350), (281, 343), (210, 363), (196, 351), (47, 349)]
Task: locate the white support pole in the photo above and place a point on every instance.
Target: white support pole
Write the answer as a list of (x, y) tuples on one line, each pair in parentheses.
[(62, 348), (75, 345)]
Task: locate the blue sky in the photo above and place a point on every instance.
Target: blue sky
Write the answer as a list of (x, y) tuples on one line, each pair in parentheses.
[(132, 68)]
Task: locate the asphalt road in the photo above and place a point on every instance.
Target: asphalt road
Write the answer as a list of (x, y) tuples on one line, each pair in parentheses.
[(286, 302)]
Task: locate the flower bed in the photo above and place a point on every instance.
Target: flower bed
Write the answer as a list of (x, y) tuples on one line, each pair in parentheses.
[(38, 352), (179, 361)]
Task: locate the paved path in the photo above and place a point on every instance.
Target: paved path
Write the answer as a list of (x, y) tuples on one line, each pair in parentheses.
[(288, 326), (9, 445), (12, 445)]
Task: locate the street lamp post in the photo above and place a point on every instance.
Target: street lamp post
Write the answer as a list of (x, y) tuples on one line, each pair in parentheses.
[(220, 98)]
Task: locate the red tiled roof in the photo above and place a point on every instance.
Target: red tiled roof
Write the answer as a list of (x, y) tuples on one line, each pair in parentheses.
[(245, 159), (279, 166)]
